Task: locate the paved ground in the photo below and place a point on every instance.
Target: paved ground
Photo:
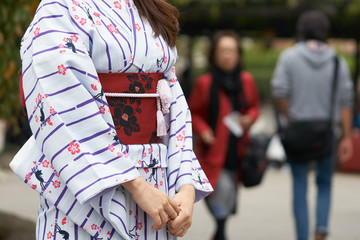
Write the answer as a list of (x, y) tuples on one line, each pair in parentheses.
[(264, 211)]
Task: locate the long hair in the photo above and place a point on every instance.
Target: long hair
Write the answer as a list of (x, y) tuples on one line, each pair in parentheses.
[(215, 41), (163, 18)]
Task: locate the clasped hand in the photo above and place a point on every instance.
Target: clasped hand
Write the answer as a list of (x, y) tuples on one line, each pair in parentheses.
[(161, 208)]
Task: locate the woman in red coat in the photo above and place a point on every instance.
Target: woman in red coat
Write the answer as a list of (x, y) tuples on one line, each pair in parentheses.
[(225, 89)]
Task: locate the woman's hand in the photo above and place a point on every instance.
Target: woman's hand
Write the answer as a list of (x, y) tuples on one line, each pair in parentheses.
[(246, 122), (154, 202), (208, 137), (185, 198)]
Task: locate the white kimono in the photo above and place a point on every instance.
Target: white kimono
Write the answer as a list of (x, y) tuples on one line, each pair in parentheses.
[(73, 160)]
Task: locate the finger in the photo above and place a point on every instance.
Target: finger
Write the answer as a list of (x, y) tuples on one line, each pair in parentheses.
[(179, 232), (164, 219), (172, 209), (157, 222)]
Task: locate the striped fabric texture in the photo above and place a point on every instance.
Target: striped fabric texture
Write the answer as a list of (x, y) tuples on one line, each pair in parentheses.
[(74, 159)]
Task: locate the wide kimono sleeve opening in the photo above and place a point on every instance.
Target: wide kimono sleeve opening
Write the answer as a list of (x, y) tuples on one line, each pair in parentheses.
[(68, 114), (183, 166)]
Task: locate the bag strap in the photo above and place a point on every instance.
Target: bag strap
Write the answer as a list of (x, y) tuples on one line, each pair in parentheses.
[(334, 85)]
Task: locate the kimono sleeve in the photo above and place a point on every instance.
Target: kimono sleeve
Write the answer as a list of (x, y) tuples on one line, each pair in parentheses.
[(183, 166), (68, 115)]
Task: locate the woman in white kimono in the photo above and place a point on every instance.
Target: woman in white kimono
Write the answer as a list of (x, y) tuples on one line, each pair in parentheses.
[(106, 162)]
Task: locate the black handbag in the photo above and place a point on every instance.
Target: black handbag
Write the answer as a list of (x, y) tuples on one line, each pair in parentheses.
[(254, 163), (310, 139)]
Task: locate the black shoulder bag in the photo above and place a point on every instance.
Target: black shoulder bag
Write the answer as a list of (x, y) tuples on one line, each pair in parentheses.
[(310, 139)]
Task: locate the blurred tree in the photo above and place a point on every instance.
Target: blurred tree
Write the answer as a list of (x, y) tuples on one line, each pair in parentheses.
[(15, 17)]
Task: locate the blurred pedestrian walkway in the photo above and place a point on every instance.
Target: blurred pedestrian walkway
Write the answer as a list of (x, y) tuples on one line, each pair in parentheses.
[(265, 211)]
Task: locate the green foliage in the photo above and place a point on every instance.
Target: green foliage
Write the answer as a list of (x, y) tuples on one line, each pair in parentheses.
[(15, 16)]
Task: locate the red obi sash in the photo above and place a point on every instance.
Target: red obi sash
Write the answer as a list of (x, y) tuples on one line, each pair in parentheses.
[(134, 117)]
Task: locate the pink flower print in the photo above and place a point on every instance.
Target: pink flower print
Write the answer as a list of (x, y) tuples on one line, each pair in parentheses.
[(83, 21), (108, 234), (74, 148), (74, 38), (139, 225), (111, 148), (136, 217), (157, 44), (61, 45), (183, 132), (62, 51), (144, 154), (49, 235), (131, 58), (56, 173), (165, 59), (119, 154), (127, 1), (137, 26), (36, 118), (163, 175), (38, 98), (126, 155), (76, 17), (117, 5), (56, 184), (49, 122), (161, 183), (45, 164), (73, 8), (96, 14), (156, 186), (62, 69), (163, 50), (52, 111), (94, 227), (146, 170), (76, 3), (173, 70), (98, 22), (150, 151), (63, 222), (179, 138), (33, 186), (112, 28), (102, 109), (130, 212), (140, 162), (36, 32), (94, 87), (172, 80), (28, 177)]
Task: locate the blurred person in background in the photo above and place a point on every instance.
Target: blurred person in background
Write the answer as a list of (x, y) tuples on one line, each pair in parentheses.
[(225, 89), (302, 87), (111, 154)]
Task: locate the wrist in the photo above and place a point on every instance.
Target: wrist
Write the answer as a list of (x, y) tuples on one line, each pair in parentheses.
[(189, 190), (136, 185)]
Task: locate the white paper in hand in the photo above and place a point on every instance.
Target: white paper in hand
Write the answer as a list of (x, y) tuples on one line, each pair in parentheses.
[(232, 122)]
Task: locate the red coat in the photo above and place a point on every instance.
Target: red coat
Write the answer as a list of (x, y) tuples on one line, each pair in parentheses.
[(213, 158)]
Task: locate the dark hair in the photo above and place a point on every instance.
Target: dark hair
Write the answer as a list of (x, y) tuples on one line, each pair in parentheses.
[(163, 18), (313, 24), (216, 39)]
